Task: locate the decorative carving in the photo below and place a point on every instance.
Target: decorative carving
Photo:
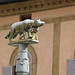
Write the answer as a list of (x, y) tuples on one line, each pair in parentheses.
[(33, 6)]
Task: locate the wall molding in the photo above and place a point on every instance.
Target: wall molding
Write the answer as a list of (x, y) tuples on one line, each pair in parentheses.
[(5, 27), (61, 19), (47, 21), (24, 8)]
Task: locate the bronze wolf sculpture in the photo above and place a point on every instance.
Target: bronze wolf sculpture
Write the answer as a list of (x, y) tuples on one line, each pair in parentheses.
[(29, 26)]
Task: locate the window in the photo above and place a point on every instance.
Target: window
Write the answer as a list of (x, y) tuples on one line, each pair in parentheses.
[(23, 17)]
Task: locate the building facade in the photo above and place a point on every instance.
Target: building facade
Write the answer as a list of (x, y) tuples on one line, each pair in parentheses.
[(56, 37)]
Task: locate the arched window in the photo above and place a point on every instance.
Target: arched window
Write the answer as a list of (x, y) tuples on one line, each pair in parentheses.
[(32, 59)]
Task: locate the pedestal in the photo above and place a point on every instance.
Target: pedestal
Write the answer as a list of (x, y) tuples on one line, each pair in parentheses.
[(22, 63)]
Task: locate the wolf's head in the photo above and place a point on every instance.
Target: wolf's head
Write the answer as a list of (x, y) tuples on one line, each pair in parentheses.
[(38, 23)]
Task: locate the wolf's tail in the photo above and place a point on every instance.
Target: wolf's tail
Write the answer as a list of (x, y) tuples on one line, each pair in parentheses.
[(7, 36)]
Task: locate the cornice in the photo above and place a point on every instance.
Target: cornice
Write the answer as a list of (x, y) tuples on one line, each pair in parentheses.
[(33, 6)]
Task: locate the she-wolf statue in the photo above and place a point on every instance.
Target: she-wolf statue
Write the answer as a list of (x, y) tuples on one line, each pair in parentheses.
[(29, 26)]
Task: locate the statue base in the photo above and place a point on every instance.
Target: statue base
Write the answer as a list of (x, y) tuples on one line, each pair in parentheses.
[(16, 43), (22, 74), (22, 62)]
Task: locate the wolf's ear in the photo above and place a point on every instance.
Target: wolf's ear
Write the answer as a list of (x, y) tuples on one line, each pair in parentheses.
[(35, 19)]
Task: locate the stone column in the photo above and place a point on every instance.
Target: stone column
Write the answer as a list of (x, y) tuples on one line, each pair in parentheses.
[(22, 62)]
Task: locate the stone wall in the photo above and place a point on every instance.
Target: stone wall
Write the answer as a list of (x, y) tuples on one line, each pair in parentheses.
[(56, 40)]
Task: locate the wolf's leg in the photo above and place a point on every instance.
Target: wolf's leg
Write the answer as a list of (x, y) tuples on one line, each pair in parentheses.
[(36, 36), (7, 36), (10, 37), (21, 36), (15, 34), (24, 33), (29, 34)]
